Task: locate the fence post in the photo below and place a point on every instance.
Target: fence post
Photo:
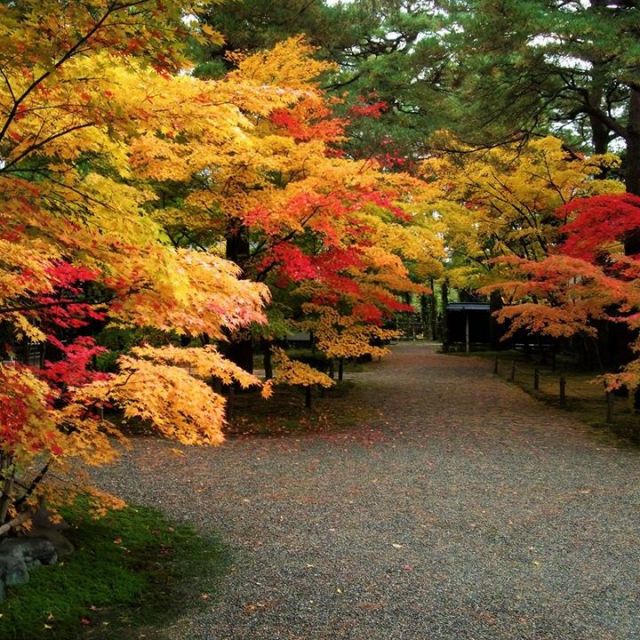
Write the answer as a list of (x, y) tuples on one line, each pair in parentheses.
[(512, 377), (536, 379), (609, 406), (563, 391), (495, 365)]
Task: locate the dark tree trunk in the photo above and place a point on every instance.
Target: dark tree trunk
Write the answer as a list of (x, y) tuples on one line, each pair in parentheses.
[(600, 130), (240, 352), (495, 331), (434, 311), (266, 353), (632, 176), (632, 181), (424, 315), (444, 334), (599, 136), (237, 249), (240, 348), (307, 397)]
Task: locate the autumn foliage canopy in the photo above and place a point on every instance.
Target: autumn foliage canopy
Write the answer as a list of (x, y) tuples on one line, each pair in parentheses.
[(137, 197), (152, 219)]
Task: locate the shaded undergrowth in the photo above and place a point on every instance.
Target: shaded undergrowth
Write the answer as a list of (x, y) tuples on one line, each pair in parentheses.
[(285, 412), (585, 396), (131, 569)]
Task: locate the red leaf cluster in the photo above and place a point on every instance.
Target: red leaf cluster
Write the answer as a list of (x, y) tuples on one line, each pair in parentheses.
[(598, 221)]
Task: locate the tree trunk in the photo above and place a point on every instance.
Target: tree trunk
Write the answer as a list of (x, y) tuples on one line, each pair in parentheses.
[(240, 352), (495, 331), (599, 138), (240, 348), (444, 334), (632, 182), (8, 474), (434, 310), (237, 248), (424, 316), (307, 397), (632, 175), (600, 130), (266, 353)]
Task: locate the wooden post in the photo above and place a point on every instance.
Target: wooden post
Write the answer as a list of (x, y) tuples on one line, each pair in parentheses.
[(467, 341), (512, 377), (563, 391), (609, 397), (536, 379), (495, 365)]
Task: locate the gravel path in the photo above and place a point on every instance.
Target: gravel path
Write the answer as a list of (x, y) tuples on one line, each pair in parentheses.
[(465, 510)]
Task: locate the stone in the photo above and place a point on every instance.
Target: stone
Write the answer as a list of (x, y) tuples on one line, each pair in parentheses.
[(13, 570), (30, 549), (62, 546), (18, 555)]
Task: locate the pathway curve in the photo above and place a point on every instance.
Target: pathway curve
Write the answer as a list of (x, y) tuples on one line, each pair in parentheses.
[(465, 510)]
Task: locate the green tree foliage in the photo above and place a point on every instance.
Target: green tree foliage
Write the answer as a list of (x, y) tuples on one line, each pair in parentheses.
[(388, 52), (528, 67)]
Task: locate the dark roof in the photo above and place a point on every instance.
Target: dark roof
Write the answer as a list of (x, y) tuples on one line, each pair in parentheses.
[(468, 306)]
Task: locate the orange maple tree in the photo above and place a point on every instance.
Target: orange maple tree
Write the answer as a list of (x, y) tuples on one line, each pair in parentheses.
[(314, 225), (589, 277), (123, 180), (84, 87)]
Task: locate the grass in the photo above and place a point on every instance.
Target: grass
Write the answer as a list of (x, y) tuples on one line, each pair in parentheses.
[(131, 569), (285, 412), (585, 396)]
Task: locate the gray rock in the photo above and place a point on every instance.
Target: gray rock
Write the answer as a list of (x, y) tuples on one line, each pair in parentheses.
[(18, 555), (30, 549), (62, 546), (13, 569)]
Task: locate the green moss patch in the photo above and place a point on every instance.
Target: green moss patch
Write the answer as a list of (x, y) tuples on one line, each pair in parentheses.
[(131, 569)]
